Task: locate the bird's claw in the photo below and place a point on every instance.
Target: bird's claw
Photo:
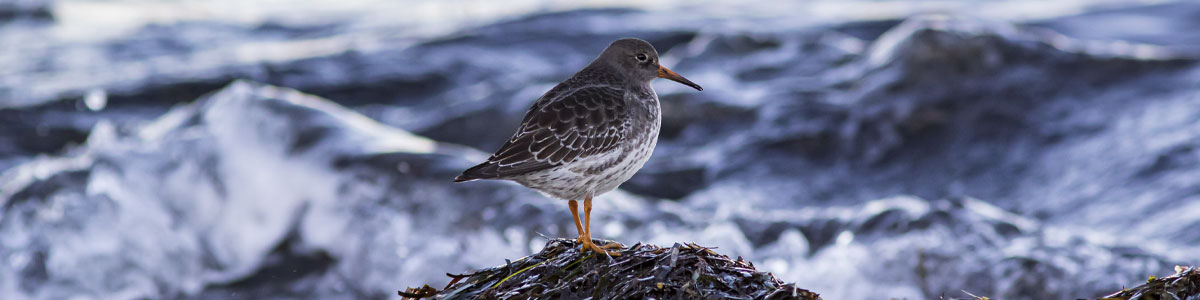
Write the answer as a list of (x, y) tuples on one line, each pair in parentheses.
[(601, 250), (613, 245), (587, 244)]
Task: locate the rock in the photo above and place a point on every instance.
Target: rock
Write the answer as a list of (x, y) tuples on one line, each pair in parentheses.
[(1184, 284), (561, 271), (26, 10)]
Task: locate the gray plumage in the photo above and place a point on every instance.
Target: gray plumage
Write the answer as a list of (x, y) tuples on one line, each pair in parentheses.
[(590, 133)]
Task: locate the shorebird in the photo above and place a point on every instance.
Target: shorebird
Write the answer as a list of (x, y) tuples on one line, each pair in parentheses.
[(588, 134)]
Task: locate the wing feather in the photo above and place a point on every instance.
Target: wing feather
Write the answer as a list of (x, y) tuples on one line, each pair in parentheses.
[(571, 126)]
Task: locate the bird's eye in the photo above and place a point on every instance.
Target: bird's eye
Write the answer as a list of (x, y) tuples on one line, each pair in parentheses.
[(641, 57)]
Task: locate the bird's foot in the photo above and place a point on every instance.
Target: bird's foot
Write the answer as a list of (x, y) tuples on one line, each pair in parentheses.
[(598, 249), (612, 245), (586, 244)]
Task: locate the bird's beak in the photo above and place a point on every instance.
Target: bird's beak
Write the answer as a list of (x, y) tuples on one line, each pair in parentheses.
[(663, 72)]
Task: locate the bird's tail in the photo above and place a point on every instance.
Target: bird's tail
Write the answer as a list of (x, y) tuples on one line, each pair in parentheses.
[(487, 170)]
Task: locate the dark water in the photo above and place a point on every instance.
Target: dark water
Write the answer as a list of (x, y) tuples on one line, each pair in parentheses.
[(906, 157)]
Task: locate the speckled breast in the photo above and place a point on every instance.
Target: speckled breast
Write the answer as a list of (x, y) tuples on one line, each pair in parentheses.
[(602, 173)]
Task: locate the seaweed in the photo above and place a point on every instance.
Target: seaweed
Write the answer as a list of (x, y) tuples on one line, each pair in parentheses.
[(1184, 284), (562, 271)]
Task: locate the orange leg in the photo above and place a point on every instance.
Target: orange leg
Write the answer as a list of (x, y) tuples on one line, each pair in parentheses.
[(575, 215), (587, 225)]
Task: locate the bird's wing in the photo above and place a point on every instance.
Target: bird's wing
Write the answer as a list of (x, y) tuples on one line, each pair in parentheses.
[(578, 124)]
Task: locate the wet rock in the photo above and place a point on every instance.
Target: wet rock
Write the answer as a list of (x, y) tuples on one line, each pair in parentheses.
[(25, 10), (641, 271), (1184, 284)]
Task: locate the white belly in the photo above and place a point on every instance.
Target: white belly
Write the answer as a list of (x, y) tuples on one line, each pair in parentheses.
[(572, 181), (598, 174)]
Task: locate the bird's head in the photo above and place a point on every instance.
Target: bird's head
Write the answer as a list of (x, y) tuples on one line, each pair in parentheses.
[(639, 59)]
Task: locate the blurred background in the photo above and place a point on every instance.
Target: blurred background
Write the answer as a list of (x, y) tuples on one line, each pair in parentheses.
[(864, 149)]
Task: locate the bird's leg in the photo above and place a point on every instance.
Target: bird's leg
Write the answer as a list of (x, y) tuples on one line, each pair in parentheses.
[(587, 226), (575, 215)]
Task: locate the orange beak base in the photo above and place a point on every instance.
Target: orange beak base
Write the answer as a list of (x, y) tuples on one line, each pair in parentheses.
[(663, 72)]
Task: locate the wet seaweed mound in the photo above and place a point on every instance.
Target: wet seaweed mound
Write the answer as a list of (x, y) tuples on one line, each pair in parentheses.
[(561, 271), (1185, 284)]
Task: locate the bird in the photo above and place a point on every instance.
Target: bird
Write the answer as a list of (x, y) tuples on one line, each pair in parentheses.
[(587, 134)]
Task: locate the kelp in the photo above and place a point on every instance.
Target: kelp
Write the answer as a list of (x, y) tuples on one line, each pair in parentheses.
[(562, 271), (1183, 285)]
